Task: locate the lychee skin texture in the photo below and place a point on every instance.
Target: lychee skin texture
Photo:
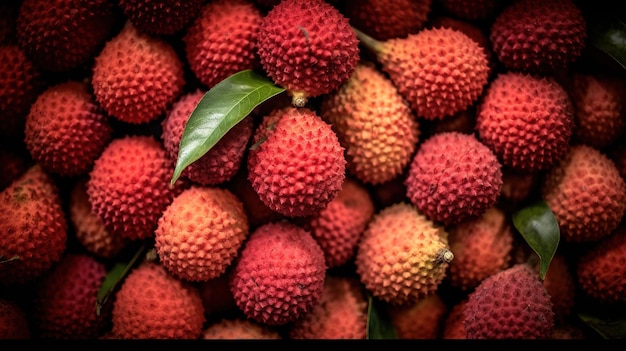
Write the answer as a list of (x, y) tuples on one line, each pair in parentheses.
[(339, 226), (66, 130), (62, 35), (164, 17), (296, 163), (221, 40), (453, 177), (526, 120), (374, 124), (600, 270), (511, 304), (307, 47), (538, 36), (586, 194), (14, 323), (200, 233), (137, 76), (340, 314), (129, 185), (152, 304), (279, 274), (223, 160), (33, 227), (402, 255), (439, 71), (65, 301)]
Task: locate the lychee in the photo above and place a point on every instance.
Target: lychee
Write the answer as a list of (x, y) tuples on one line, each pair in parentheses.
[(307, 47), (422, 319), (511, 304), (66, 130), (526, 120), (239, 329), (33, 227), (453, 177), (402, 255), (223, 160), (296, 163), (258, 212), (164, 17), (586, 194), (279, 274), (129, 185), (136, 77), (538, 36), (152, 304), (200, 233), (453, 324), (373, 123), (216, 296), (221, 40)]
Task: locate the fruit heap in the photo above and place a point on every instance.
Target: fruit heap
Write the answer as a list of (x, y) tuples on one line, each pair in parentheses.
[(387, 172)]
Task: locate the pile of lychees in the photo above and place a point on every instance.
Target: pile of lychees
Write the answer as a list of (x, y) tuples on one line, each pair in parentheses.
[(386, 172)]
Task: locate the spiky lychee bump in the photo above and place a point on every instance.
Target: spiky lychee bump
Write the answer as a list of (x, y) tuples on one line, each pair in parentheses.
[(200, 233), (296, 163), (223, 160), (539, 36), (374, 124), (439, 71), (402, 255), (307, 47), (33, 227), (137, 76), (586, 194), (511, 304), (384, 19), (65, 301), (453, 177), (600, 270), (129, 185), (66, 130), (62, 35), (279, 275), (152, 304), (221, 40), (526, 120), (163, 17)]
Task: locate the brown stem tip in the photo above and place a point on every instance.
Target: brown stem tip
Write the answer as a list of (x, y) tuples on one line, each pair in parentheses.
[(444, 256)]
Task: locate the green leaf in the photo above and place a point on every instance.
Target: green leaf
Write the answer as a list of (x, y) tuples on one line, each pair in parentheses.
[(378, 323), (220, 109), (608, 34), (608, 326), (539, 227)]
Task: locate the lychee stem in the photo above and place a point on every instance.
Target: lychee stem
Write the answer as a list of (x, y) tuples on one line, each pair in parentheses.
[(298, 99), (369, 42), (444, 256)]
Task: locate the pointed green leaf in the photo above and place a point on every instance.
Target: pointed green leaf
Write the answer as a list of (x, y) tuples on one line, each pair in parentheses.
[(220, 109), (378, 323), (539, 227), (608, 34)]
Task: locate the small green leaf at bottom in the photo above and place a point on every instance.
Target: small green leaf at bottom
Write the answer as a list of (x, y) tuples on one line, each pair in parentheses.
[(378, 323), (539, 227), (220, 109)]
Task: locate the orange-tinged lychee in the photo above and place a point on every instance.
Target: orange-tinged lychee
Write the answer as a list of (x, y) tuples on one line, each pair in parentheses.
[(239, 329), (537, 36), (279, 274), (200, 233), (223, 160), (422, 319), (526, 120), (402, 255), (221, 40), (66, 130), (64, 306), (439, 71), (373, 123), (453, 177), (586, 194), (307, 47), (14, 322), (136, 76), (296, 163), (129, 185), (511, 304), (33, 227), (340, 314), (62, 35), (163, 17)]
